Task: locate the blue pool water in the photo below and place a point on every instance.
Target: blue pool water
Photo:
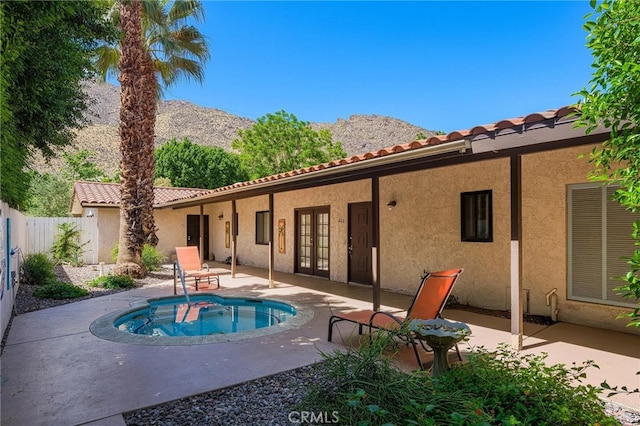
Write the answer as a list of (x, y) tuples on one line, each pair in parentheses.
[(205, 315)]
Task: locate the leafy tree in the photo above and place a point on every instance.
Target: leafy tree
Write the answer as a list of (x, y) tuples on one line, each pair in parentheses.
[(280, 142), (195, 166), (171, 49), (79, 167), (46, 49), (49, 195), (612, 99)]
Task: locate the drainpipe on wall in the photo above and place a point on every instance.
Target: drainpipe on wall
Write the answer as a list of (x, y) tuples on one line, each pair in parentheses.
[(552, 300)]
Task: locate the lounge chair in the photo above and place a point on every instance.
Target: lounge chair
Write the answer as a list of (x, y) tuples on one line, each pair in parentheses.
[(432, 294), (189, 262)]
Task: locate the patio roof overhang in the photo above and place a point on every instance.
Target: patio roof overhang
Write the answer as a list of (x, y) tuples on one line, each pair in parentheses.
[(537, 136), (331, 175)]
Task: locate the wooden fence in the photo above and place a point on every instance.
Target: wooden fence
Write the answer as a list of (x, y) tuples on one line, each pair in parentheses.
[(41, 234)]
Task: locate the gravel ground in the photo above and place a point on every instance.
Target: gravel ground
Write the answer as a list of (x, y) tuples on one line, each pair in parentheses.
[(271, 400)]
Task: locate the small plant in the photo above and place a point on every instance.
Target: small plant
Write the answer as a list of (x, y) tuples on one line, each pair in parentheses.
[(151, 257), (365, 388), (523, 389), (67, 247), (493, 388), (59, 290), (37, 269), (113, 282)]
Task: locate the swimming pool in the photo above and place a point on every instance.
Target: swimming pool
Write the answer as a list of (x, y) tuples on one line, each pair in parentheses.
[(208, 318)]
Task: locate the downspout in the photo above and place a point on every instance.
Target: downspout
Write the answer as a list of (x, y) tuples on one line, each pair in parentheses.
[(552, 300)]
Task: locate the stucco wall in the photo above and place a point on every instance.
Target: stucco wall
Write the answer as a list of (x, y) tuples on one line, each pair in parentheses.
[(217, 230), (338, 198), (172, 229), (544, 229), (422, 232), (15, 237), (250, 253)]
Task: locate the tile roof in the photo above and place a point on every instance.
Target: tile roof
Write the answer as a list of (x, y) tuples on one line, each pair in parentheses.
[(530, 120), (103, 193), (109, 193)]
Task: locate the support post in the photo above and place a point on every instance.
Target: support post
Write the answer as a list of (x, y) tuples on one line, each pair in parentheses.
[(234, 232), (201, 235), (516, 252), (375, 252), (271, 225)]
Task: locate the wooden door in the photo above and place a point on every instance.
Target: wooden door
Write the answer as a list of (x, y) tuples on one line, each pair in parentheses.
[(312, 241), (193, 233), (359, 244)]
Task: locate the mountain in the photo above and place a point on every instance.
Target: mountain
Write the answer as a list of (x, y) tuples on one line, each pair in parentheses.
[(213, 127)]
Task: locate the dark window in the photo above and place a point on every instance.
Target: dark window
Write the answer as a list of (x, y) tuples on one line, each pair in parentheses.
[(263, 225), (477, 216)]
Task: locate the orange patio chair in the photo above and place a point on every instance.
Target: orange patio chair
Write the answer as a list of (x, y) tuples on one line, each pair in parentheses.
[(189, 262), (432, 294)]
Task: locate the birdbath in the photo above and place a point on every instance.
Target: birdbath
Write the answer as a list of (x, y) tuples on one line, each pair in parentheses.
[(441, 335)]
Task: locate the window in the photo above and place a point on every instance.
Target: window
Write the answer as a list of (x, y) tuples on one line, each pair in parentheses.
[(263, 226), (477, 216), (599, 237)]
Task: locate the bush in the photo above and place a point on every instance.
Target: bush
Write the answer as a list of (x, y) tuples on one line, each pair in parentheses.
[(67, 247), (37, 269), (363, 387), (151, 258), (494, 388), (523, 389), (113, 282), (59, 290)]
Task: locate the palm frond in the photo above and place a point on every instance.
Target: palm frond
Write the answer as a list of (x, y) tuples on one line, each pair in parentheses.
[(187, 68), (190, 39), (106, 61), (183, 9)]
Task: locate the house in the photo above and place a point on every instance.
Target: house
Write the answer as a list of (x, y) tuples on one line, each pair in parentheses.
[(102, 200), (509, 201)]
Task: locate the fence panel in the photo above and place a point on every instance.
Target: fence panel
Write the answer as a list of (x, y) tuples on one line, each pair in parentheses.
[(42, 232)]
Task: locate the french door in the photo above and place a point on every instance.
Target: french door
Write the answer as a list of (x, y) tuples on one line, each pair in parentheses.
[(312, 241)]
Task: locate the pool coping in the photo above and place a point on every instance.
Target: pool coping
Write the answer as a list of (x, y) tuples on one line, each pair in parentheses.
[(104, 327)]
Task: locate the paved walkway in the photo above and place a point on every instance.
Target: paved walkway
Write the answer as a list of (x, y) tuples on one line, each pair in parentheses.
[(54, 371)]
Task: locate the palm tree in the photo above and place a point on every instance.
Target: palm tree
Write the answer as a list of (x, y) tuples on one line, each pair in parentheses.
[(131, 63), (171, 49)]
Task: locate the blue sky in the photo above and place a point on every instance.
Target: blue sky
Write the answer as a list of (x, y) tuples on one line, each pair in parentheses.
[(439, 65)]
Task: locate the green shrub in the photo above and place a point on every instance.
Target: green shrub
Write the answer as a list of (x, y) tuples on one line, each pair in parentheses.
[(493, 388), (523, 389), (151, 258), (59, 290), (363, 387), (67, 247), (37, 269), (113, 282)]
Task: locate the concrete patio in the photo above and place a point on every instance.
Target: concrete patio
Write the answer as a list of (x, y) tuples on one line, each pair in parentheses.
[(55, 371)]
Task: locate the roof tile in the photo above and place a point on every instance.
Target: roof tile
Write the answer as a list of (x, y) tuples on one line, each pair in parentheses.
[(109, 193)]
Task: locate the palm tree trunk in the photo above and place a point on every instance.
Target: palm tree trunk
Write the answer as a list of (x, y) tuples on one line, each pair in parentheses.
[(147, 162), (131, 237)]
